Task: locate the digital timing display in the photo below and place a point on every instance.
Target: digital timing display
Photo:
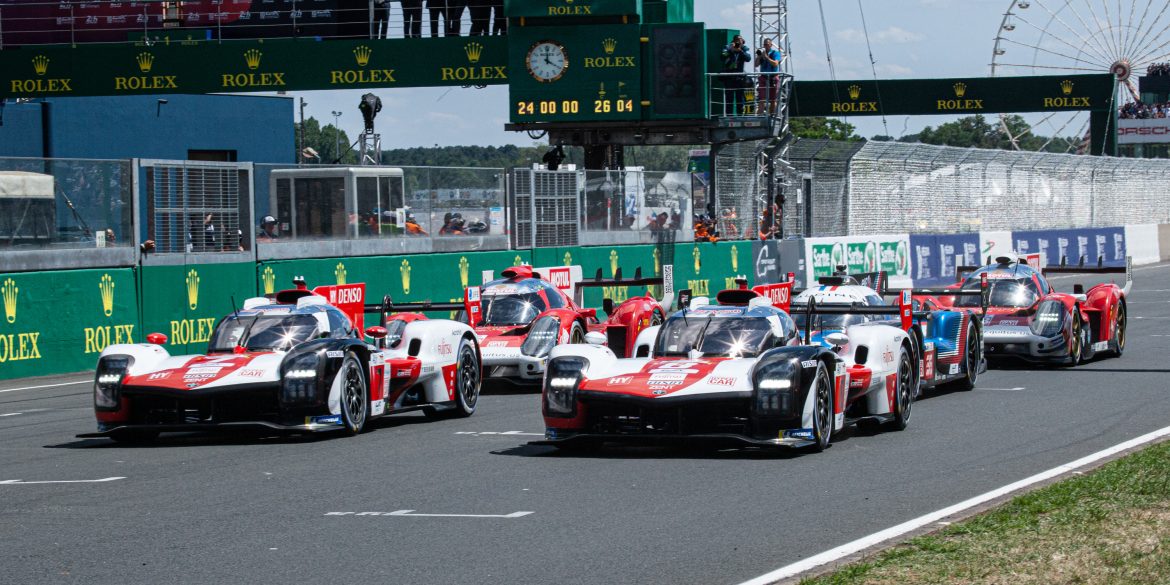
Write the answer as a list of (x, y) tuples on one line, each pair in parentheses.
[(575, 74)]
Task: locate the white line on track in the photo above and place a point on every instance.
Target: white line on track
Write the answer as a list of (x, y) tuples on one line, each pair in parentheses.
[(22, 482), (47, 386), (504, 433), (1016, 389), (412, 513), (893, 532)]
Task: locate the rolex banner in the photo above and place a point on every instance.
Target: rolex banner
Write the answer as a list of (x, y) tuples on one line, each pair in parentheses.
[(56, 322), (858, 254), (185, 302), (251, 66)]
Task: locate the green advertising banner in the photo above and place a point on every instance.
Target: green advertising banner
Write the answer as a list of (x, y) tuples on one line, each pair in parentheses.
[(709, 267), (248, 66), (185, 302), (859, 254), (572, 8), (411, 278), (58, 322), (966, 95)]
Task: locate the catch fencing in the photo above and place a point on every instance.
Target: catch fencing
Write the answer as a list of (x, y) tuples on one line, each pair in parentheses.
[(891, 187)]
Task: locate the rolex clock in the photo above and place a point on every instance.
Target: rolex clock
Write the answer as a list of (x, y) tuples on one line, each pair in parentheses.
[(547, 61)]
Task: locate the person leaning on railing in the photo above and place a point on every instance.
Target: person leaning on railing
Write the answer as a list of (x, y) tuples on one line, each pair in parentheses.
[(768, 64)]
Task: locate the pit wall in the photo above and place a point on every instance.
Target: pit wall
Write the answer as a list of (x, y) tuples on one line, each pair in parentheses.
[(58, 322)]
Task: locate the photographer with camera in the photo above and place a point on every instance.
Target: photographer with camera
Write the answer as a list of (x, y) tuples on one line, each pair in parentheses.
[(768, 64), (735, 57)]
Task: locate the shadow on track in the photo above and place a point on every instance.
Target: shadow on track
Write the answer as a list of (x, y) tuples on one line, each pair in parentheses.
[(676, 450), (242, 437)]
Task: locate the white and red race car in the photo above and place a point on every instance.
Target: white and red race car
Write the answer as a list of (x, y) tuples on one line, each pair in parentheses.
[(522, 316), (297, 362), (736, 371)]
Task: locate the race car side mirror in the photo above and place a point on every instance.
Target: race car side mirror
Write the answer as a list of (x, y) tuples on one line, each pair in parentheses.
[(378, 333), (595, 338), (157, 338), (837, 340), (588, 313)]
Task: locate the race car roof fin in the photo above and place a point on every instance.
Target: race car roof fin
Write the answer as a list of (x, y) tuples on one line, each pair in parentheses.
[(736, 297), (520, 272)]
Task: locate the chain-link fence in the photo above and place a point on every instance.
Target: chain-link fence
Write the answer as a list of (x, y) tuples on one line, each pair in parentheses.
[(738, 196), (891, 187), (65, 203)]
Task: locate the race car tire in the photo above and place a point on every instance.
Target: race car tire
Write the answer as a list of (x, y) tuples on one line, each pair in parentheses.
[(355, 403), (576, 333), (974, 354), (1119, 322), (467, 380), (822, 390), (135, 437), (1076, 342), (903, 395), (655, 318)]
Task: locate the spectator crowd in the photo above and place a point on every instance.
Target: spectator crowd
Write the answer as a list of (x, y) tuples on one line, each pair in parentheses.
[(1139, 110)]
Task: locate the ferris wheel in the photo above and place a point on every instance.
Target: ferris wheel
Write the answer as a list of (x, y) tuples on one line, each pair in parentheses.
[(1069, 37)]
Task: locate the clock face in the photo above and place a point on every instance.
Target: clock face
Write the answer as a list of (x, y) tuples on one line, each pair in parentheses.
[(547, 61)]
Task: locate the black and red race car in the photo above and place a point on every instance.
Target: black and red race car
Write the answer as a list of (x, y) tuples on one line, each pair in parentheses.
[(1027, 319)]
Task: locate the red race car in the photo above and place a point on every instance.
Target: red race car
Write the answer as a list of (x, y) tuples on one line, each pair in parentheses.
[(1027, 319), (521, 316)]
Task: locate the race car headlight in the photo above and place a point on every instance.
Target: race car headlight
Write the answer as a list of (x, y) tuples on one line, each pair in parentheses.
[(561, 381), (299, 375), (775, 383), (107, 385), (542, 337), (1049, 319)]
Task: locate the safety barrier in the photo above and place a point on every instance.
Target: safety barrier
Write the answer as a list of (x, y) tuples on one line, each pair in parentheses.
[(58, 322)]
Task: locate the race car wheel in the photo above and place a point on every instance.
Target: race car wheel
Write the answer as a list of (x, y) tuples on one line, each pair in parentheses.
[(1119, 329), (822, 410), (467, 380), (354, 402), (974, 353), (1076, 338), (655, 319), (576, 334), (903, 394)]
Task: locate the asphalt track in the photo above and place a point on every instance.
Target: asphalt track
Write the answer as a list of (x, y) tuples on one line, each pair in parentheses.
[(213, 509)]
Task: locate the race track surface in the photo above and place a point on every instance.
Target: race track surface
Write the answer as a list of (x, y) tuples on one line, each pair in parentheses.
[(213, 509)]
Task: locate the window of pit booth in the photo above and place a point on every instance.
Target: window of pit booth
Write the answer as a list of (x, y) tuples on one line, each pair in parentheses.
[(377, 200), (320, 207)]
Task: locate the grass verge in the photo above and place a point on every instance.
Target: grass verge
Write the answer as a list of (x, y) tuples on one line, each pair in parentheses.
[(1109, 527)]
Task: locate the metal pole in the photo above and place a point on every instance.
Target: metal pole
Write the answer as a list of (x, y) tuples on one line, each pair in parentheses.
[(301, 135), (371, 20), (337, 135)]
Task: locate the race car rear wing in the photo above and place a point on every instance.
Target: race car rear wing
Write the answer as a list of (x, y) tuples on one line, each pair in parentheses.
[(878, 281), (666, 281), (388, 307), (1100, 268), (984, 292), (904, 310)]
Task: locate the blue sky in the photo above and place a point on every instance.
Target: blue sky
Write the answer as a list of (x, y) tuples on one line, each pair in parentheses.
[(910, 39)]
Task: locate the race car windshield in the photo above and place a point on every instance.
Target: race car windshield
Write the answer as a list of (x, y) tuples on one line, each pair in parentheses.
[(715, 336), (512, 309), (268, 333), (1004, 293), (831, 322)]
